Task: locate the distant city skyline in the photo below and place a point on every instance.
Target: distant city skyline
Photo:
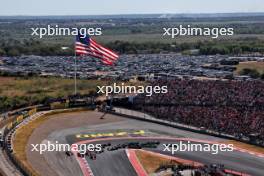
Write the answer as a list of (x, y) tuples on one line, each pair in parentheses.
[(110, 7)]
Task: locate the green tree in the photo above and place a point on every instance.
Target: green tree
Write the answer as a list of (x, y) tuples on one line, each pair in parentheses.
[(253, 73), (262, 76), (237, 50), (13, 52), (2, 52)]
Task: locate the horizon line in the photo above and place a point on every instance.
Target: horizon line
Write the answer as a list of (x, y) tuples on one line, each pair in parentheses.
[(201, 13)]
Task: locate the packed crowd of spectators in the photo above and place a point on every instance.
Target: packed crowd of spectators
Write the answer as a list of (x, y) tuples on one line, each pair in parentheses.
[(231, 107)]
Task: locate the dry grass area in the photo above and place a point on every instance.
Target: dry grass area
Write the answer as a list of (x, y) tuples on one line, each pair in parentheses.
[(252, 148), (259, 66), (6, 80), (23, 134), (150, 162), (16, 92), (36, 86), (53, 87)]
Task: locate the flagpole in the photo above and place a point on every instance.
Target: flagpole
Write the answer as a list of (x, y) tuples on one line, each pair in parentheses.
[(75, 69)]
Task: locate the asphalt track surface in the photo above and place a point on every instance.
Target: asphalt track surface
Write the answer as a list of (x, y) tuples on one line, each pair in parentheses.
[(116, 163), (235, 160)]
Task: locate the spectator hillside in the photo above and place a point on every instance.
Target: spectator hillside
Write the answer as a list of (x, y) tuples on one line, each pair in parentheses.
[(230, 107)]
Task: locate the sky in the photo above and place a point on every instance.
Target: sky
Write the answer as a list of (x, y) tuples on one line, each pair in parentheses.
[(105, 7)]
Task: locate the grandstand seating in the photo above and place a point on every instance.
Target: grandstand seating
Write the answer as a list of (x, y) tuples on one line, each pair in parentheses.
[(231, 107)]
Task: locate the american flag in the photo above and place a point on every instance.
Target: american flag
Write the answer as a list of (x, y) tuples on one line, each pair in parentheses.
[(85, 45)]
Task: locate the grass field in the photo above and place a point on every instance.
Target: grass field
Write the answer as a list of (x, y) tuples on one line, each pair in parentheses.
[(150, 162), (20, 91), (154, 37), (53, 87), (259, 66), (17, 92)]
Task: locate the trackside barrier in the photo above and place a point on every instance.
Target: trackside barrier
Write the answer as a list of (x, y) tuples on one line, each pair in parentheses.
[(7, 144), (10, 129), (145, 117), (32, 111), (134, 115), (22, 168)]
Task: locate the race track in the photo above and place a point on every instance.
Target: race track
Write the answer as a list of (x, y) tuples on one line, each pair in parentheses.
[(112, 164), (116, 162), (235, 160)]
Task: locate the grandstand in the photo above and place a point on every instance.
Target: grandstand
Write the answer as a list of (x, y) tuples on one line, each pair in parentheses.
[(231, 107)]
